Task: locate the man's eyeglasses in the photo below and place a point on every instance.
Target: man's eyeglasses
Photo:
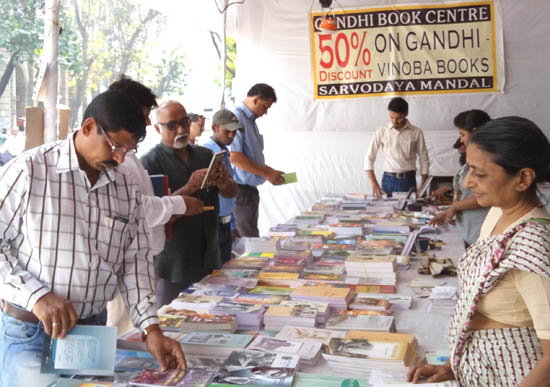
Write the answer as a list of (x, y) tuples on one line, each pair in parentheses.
[(115, 148), (173, 125)]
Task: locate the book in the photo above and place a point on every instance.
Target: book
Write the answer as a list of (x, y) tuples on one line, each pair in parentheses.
[(214, 344), (257, 376), (307, 352), (314, 380), (368, 303), (290, 177), (215, 161), (129, 361), (180, 378), (194, 302), (85, 350), (191, 320), (251, 358), (277, 316), (366, 322), (315, 335)]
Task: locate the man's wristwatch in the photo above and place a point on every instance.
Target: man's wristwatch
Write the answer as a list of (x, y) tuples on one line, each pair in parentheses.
[(148, 330)]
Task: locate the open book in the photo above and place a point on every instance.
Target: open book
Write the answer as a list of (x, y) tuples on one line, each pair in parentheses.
[(214, 162)]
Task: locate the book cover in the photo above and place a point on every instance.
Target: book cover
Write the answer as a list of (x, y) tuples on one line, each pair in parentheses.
[(85, 350), (217, 339), (128, 361), (257, 376), (303, 311), (272, 344), (156, 377), (315, 335), (366, 349), (250, 358), (274, 290)]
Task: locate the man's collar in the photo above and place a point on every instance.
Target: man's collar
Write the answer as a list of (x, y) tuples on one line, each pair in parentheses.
[(407, 126), (221, 146), (247, 112), (68, 160)]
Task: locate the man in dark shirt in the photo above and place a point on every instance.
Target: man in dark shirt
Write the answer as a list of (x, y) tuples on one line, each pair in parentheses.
[(193, 252)]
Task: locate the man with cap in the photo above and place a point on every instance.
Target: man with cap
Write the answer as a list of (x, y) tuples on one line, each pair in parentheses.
[(224, 127)]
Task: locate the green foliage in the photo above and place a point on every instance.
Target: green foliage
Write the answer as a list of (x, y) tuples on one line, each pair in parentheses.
[(21, 28)]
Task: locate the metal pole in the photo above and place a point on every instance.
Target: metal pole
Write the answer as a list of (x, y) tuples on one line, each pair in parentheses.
[(51, 51)]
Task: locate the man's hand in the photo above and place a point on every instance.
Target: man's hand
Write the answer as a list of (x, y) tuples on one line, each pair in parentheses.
[(235, 234), (194, 205), (219, 177), (444, 216), (275, 177), (434, 373), (194, 183), (57, 315), (167, 351), (440, 193), (377, 191)]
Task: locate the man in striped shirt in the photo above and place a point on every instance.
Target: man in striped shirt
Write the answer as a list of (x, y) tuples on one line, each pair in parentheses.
[(72, 232)]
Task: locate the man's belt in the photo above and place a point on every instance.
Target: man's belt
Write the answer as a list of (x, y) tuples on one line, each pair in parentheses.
[(225, 219), (401, 175), (19, 313)]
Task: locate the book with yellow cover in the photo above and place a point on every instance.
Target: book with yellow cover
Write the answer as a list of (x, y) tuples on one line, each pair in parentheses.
[(321, 292), (278, 275)]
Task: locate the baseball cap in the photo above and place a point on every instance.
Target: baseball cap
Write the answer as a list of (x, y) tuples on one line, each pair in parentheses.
[(227, 119)]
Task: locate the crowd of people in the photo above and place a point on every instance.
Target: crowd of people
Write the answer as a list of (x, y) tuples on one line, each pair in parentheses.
[(83, 237)]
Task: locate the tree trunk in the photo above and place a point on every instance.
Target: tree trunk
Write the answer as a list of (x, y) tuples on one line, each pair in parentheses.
[(8, 72)]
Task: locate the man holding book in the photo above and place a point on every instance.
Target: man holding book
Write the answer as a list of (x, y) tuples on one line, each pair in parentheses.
[(247, 154), (401, 143), (193, 252), (72, 233), (224, 127), (158, 210)]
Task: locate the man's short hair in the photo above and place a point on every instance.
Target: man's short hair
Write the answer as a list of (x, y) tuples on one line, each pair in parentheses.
[(398, 105), (263, 91), (115, 111), (143, 95)]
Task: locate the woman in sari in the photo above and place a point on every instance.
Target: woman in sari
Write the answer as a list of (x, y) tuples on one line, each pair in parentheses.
[(499, 334)]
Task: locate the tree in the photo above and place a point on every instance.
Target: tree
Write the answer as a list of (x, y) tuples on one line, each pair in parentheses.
[(231, 45), (21, 31), (170, 73)]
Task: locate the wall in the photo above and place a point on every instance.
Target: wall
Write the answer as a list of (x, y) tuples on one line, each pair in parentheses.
[(325, 141)]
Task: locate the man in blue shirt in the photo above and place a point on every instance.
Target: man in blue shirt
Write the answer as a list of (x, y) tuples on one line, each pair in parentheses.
[(247, 154), (224, 126)]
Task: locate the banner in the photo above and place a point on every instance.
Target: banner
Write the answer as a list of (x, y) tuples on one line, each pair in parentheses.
[(413, 49)]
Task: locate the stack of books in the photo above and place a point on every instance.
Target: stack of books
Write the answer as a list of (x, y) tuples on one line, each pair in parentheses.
[(308, 352), (366, 322), (189, 320), (397, 302), (220, 279), (361, 351), (277, 316), (214, 344), (309, 335), (256, 263), (370, 303), (249, 316), (283, 230), (442, 299), (362, 264), (336, 298), (323, 310), (261, 244), (198, 303), (347, 229)]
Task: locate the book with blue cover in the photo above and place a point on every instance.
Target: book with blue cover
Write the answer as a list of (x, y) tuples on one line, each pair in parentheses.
[(85, 350)]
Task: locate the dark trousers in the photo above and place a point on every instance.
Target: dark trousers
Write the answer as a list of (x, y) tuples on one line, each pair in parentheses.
[(246, 211), (391, 184), (167, 291), (225, 240)]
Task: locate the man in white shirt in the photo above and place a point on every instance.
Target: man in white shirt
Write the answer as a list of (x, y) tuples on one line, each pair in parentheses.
[(401, 143), (158, 210)]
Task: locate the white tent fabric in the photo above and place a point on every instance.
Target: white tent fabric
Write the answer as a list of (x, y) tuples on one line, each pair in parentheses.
[(325, 141)]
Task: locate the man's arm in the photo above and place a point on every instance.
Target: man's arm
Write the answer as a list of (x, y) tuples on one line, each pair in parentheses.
[(242, 161), (225, 183), (424, 157), (137, 287), (370, 158)]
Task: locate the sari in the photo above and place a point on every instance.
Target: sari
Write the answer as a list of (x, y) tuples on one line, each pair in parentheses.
[(496, 357)]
